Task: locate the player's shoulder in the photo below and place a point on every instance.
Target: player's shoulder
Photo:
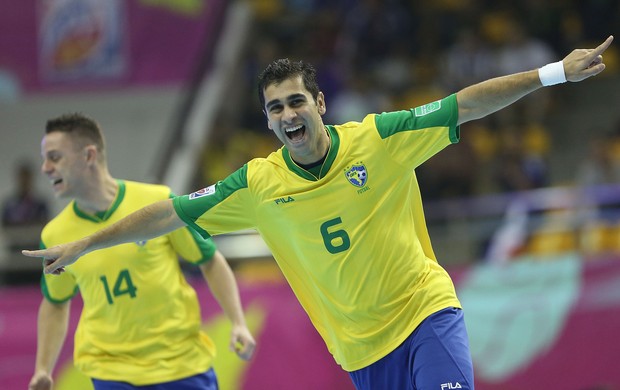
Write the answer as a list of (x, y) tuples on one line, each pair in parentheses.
[(62, 222), (367, 121), (263, 172), (273, 160), (356, 132), (63, 216), (140, 189)]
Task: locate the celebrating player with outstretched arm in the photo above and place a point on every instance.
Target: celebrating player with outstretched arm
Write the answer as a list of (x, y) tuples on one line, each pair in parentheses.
[(351, 237)]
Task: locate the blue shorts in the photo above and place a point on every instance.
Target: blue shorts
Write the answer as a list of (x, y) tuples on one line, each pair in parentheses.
[(205, 381), (434, 357)]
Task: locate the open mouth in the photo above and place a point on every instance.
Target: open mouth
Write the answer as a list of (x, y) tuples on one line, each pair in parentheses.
[(296, 133)]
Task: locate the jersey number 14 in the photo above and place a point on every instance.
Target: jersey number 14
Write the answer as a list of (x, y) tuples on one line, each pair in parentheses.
[(123, 285)]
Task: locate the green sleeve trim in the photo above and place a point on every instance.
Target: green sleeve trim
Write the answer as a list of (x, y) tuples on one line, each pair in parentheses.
[(176, 203), (207, 247), (45, 290), (423, 117), (190, 207), (236, 181), (455, 134), (47, 295)]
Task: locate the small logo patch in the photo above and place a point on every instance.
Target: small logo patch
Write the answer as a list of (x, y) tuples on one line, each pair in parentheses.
[(357, 174), (203, 192), (450, 386), (427, 108), (284, 200)]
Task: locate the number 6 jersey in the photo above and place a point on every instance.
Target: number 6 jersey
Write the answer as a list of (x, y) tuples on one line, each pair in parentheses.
[(349, 235)]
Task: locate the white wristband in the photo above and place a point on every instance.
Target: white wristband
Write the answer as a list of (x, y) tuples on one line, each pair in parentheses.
[(552, 74)]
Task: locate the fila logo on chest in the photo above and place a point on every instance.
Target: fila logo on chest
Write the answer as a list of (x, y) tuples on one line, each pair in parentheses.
[(284, 200)]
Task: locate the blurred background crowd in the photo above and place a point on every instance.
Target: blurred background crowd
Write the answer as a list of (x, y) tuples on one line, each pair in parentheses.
[(374, 56)]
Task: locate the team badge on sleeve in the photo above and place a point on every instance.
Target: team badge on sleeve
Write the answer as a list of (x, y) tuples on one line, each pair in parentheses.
[(357, 174), (428, 108), (203, 192)]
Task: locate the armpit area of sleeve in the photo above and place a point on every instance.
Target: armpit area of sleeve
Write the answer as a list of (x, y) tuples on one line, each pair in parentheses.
[(455, 134), (455, 131), (46, 291), (177, 203)]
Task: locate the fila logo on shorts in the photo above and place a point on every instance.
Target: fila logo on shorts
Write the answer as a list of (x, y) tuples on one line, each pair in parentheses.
[(450, 386)]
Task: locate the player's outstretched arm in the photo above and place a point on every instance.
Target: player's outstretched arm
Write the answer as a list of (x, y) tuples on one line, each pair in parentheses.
[(151, 221), (487, 97)]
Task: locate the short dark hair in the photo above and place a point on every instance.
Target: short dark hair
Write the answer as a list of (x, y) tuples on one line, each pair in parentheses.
[(284, 69), (84, 129)]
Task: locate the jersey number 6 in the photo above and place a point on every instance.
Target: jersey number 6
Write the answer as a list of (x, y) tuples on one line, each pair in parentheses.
[(336, 241)]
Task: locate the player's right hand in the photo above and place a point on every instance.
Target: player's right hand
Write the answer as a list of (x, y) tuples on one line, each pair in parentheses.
[(56, 258), (41, 381)]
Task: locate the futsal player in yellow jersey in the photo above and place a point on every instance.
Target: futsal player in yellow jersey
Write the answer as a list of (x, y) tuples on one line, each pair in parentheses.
[(140, 323), (340, 208)]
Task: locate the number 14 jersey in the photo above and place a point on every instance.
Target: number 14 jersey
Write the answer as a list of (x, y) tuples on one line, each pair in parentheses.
[(141, 320)]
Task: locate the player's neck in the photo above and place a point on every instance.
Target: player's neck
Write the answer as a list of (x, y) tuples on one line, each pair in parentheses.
[(99, 195), (319, 156), (313, 164)]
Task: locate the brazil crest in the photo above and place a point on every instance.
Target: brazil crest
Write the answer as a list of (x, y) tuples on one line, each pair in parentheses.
[(357, 174)]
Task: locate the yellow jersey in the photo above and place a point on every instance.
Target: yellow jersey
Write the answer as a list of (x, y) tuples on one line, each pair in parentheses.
[(141, 319), (350, 236)]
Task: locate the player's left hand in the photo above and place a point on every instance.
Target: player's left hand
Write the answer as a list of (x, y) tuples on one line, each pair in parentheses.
[(583, 63), (41, 380), (242, 342)]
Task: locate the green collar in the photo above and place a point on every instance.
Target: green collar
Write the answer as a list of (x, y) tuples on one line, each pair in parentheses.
[(102, 216), (334, 140)]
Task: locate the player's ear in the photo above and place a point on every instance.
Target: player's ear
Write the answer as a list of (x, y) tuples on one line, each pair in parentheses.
[(320, 102), (91, 154), (268, 121)]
